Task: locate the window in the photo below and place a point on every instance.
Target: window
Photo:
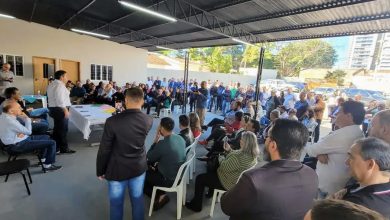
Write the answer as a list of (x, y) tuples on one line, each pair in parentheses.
[(104, 72), (93, 72), (98, 72), (110, 73), (101, 72), (15, 61)]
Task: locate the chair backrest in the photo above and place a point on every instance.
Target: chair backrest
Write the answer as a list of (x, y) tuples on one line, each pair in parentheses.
[(183, 169), (170, 105), (193, 145), (247, 170)]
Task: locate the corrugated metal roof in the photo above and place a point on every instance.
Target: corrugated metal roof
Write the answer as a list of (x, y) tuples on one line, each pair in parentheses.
[(268, 20)]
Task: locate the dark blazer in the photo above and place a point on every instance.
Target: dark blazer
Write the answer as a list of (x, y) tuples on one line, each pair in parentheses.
[(280, 190), (121, 154), (187, 136), (375, 197)]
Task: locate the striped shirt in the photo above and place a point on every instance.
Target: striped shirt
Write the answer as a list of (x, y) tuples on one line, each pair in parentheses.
[(231, 168)]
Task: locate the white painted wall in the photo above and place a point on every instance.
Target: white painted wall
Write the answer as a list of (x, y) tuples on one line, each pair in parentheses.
[(19, 37), (204, 76)]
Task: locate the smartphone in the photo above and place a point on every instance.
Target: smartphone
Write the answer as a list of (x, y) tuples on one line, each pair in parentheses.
[(225, 139)]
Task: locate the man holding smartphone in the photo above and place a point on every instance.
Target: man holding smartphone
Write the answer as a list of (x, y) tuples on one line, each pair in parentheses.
[(6, 77)]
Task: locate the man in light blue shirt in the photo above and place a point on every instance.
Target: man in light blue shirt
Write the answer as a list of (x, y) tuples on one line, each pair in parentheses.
[(289, 99), (17, 137)]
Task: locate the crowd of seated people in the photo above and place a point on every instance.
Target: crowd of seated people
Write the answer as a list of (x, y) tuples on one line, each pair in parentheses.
[(284, 129)]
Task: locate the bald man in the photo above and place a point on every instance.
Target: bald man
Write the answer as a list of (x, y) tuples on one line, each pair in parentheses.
[(17, 137), (6, 77), (380, 126)]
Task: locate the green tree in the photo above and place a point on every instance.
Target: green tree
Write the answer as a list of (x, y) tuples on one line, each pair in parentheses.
[(336, 76), (218, 60), (300, 55)]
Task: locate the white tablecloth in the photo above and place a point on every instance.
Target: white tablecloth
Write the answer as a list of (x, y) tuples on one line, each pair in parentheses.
[(84, 116)]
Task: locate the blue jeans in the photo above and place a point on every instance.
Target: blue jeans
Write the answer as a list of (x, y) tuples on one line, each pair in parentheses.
[(39, 113), (38, 142), (116, 190)]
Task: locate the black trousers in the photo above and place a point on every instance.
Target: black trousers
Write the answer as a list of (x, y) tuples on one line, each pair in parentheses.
[(317, 131), (219, 102), (215, 122), (155, 178), (151, 104), (60, 130), (202, 181)]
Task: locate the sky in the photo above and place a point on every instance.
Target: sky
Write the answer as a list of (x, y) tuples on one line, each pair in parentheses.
[(341, 45)]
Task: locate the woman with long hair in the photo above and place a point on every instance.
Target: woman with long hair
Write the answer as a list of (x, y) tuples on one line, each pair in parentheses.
[(195, 124), (229, 170)]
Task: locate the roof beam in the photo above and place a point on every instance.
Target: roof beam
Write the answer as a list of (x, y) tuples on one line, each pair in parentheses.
[(127, 15), (330, 35), (33, 9), (326, 23), (199, 18), (77, 13), (305, 26), (302, 10), (210, 9)]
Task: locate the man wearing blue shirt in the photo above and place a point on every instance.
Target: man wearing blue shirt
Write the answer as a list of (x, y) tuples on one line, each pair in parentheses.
[(17, 137)]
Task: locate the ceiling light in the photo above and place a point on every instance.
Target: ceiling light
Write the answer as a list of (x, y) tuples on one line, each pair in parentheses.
[(148, 11), (164, 48), (242, 42), (90, 33), (6, 16)]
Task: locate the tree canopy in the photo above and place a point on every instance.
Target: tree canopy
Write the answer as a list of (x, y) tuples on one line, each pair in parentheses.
[(296, 56), (289, 60)]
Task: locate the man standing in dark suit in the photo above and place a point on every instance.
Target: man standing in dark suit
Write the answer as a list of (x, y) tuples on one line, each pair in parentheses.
[(283, 189), (122, 158)]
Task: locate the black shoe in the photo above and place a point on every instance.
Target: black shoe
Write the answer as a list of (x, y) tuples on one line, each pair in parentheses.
[(67, 151), (209, 194), (53, 168), (190, 206), (159, 205), (203, 158)]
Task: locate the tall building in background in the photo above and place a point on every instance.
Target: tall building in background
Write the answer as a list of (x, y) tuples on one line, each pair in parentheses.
[(362, 51), (370, 52), (384, 55)]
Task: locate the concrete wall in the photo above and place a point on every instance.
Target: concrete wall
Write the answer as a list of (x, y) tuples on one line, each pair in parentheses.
[(200, 76), (30, 39)]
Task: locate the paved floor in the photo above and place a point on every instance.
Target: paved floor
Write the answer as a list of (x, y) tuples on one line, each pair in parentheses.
[(75, 193)]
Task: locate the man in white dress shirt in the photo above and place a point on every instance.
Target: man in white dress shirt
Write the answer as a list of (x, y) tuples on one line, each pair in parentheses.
[(58, 102), (6, 77), (332, 150)]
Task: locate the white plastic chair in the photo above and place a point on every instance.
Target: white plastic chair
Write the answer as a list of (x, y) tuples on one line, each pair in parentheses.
[(190, 154), (219, 192), (167, 111), (177, 186), (191, 169)]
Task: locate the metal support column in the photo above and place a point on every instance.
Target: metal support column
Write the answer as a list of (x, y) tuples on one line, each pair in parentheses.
[(186, 65), (259, 73)]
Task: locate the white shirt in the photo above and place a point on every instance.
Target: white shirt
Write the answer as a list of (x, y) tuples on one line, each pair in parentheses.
[(58, 94), (289, 101), (4, 77), (164, 84), (11, 127), (149, 83), (333, 176)]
